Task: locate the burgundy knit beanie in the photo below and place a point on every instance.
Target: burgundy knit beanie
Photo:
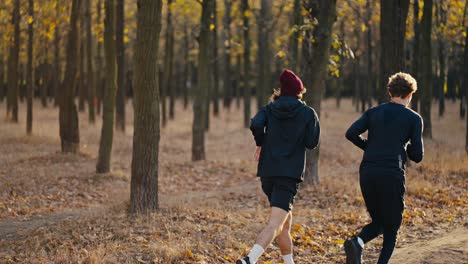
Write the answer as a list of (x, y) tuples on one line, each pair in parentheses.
[(290, 84)]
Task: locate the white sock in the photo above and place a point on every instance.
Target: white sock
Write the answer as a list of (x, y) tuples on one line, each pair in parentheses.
[(288, 259), (361, 243), (255, 253)]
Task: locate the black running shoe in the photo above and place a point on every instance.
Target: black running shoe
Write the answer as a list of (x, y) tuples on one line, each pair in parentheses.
[(245, 260), (353, 251)]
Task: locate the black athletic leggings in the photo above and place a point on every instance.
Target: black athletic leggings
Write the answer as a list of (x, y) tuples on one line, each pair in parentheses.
[(383, 192)]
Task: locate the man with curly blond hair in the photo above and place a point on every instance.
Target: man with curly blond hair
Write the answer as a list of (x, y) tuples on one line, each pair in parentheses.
[(394, 135)]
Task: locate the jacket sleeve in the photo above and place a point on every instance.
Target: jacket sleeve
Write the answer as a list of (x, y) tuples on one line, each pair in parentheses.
[(257, 126), (312, 135), (357, 128), (415, 148)]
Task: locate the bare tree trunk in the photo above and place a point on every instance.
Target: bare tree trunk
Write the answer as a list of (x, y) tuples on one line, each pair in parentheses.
[(89, 64), (13, 61), (107, 132), (120, 102), (247, 71), (416, 51), (370, 63), (82, 87), (2, 79), (168, 55), (68, 115), (294, 38), (441, 15), (264, 52), (227, 82), (144, 182), (465, 84), (30, 78), (316, 56), (99, 83), (203, 82), (215, 64), (426, 68), (392, 34), (185, 85)]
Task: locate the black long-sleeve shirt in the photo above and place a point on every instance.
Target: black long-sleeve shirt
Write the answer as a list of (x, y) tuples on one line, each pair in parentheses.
[(394, 134)]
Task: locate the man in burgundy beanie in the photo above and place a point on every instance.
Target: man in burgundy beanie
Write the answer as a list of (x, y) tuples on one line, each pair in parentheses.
[(282, 130)]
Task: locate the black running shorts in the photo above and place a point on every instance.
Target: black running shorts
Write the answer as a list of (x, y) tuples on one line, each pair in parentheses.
[(280, 191)]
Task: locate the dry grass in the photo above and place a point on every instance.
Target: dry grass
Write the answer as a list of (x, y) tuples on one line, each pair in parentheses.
[(210, 210)]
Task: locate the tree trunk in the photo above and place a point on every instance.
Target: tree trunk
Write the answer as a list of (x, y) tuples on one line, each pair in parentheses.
[(99, 83), (107, 132), (426, 68), (119, 37), (89, 64), (442, 78), (294, 38), (416, 52), (13, 61), (144, 182), (370, 63), (392, 34), (68, 115), (227, 82), (247, 71), (465, 85), (316, 56), (264, 52), (203, 82), (215, 64), (2, 79), (168, 55), (30, 78), (185, 82), (82, 87)]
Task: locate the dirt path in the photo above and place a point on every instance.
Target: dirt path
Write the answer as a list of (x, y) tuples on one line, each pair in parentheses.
[(449, 248)]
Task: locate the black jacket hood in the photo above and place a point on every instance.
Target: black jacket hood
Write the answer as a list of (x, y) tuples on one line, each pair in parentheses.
[(286, 107)]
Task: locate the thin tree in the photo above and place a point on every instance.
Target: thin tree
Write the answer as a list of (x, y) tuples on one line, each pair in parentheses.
[(89, 64), (119, 37), (68, 115), (57, 70), (264, 52), (227, 81), (370, 62), (441, 20), (247, 71), (82, 82), (30, 78), (294, 38), (215, 66), (13, 61), (393, 15), (107, 132), (416, 51), (186, 51), (168, 55), (2, 79), (316, 50), (203, 82), (99, 65), (144, 182), (465, 82), (426, 68)]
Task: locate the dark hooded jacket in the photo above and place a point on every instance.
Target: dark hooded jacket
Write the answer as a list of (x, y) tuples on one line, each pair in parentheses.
[(284, 129)]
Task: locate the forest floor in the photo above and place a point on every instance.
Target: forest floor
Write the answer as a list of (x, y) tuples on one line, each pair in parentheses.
[(54, 208)]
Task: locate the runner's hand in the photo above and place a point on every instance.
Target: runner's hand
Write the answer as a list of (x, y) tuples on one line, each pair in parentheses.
[(257, 153)]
